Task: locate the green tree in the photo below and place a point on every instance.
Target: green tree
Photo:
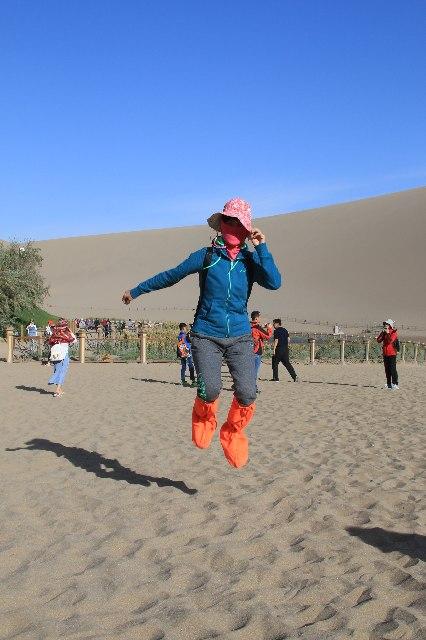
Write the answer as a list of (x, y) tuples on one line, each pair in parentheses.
[(22, 286)]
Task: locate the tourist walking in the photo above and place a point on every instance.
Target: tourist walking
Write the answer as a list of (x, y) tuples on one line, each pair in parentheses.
[(31, 329), (59, 341), (388, 337), (185, 355), (281, 351), (48, 329), (32, 333), (221, 330), (107, 328), (260, 333)]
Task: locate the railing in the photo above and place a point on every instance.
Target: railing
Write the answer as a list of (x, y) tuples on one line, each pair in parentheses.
[(92, 347)]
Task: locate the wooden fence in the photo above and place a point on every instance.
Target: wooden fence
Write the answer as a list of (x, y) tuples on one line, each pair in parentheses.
[(35, 347)]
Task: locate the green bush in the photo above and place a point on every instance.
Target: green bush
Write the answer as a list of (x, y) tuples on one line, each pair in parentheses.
[(39, 316), (22, 287)]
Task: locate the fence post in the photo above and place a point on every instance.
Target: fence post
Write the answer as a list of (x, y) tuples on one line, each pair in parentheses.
[(40, 346), (342, 351), (367, 350), (142, 346), (9, 340), (311, 350), (416, 352), (22, 332), (403, 352), (82, 346)]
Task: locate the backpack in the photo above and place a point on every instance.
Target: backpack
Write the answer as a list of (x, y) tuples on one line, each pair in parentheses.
[(203, 275), (396, 344), (182, 350)]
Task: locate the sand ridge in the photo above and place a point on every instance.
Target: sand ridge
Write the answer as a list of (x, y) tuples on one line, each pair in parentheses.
[(114, 526), (336, 264)]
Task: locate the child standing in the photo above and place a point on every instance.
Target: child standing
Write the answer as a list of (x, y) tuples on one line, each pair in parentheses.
[(184, 353), (221, 327)]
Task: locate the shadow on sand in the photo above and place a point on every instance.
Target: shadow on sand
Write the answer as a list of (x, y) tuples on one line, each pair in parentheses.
[(411, 544), (338, 384), (94, 462), (22, 387), (175, 384), (342, 384)]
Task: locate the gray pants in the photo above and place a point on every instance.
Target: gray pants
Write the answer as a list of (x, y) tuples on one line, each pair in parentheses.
[(208, 353)]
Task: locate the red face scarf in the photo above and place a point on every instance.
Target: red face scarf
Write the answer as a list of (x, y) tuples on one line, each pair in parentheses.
[(234, 237)]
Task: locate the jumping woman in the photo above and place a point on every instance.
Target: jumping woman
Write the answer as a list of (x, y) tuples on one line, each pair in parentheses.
[(221, 330)]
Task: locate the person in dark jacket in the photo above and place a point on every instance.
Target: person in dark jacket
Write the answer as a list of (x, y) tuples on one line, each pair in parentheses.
[(389, 340), (221, 326), (281, 351)]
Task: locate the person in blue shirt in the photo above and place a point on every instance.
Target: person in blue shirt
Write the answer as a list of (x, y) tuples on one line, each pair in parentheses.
[(184, 353), (32, 333), (32, 329), (221, 330)]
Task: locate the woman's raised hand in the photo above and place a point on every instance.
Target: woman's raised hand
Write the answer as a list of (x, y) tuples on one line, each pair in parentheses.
[(257, 237), (127, 298)]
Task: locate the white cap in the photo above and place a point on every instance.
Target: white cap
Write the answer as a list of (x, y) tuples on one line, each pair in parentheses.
[(390, 322)]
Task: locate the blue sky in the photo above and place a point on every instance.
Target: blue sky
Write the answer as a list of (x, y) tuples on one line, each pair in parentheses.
[(118, 116)]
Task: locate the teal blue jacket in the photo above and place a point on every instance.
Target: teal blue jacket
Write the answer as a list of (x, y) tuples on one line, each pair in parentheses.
[(222, 311)]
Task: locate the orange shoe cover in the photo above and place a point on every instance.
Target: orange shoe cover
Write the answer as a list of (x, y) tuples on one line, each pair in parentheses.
[(204, 422), (234, 442)]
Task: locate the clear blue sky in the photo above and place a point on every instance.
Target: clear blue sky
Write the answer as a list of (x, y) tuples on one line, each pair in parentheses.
[(130, 115)]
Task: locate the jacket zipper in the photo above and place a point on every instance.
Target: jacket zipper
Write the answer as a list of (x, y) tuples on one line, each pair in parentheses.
[(233, 264)]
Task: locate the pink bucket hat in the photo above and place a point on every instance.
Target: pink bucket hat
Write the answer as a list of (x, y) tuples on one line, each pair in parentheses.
[(235, 208)]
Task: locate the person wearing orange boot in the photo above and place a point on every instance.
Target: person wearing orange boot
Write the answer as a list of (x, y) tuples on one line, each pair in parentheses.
[(221, 330)]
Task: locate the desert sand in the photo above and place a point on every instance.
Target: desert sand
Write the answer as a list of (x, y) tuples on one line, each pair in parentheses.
[(114, 526), (354, 264)]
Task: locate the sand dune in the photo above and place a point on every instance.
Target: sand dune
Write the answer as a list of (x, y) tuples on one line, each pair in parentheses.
[(353, 263), (113, 526)]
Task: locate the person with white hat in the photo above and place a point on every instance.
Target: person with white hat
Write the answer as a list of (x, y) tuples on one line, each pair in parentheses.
[(221, 330), (390, 347)]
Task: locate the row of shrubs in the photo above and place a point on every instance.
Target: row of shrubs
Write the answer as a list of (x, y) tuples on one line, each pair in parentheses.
[(162, 347)]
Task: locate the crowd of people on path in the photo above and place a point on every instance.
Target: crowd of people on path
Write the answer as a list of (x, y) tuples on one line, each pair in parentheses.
[(93, 324), (108, 326), (221, 330)]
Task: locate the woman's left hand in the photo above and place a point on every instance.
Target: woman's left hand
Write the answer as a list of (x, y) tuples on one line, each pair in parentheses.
[(257, 237)]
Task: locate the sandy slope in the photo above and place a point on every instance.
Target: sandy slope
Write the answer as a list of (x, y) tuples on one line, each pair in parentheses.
[(150, 538), (353, 263)]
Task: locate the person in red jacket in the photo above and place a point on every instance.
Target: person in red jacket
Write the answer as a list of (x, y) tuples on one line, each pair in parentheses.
[(59, 341), (260, 333), (389, 339)]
